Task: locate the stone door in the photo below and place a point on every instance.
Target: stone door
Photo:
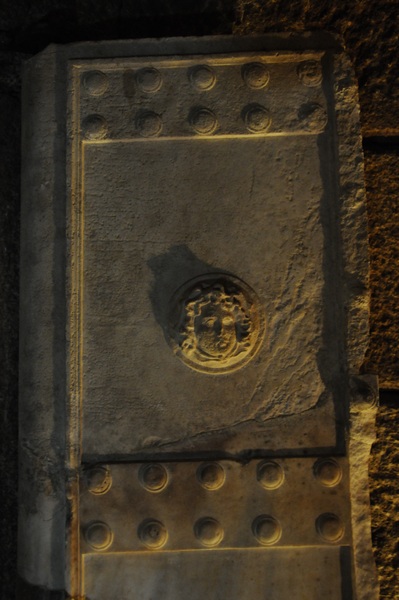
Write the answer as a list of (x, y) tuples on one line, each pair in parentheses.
[(217, 428)]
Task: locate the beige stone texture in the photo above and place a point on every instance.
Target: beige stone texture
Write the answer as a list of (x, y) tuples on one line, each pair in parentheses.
[(200, 239), (370, 31)]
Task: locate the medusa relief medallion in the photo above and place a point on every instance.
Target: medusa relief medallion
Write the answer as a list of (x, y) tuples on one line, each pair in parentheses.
[(216, 323)]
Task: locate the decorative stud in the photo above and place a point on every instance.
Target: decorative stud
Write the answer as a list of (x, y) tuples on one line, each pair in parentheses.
[(98, 480), (327, 471), (203, 120), (330, 527), (208, 531), (211, 475), (255, 75), (202, 77), (94, 127), (153, 477), (266, 529), (269, 474), (256, 118), (148, 123), (98, 535), (153, 534), (149, 80), (309, 73), (95, 83)]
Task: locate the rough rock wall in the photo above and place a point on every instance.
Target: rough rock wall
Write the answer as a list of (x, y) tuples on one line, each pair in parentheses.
[(370, 31)]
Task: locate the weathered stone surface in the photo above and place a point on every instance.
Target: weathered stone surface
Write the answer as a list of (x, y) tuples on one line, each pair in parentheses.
[(187, 226), (382, 183), (249, 576), (369, 31), (178, 492), (384, 490), (31, 26)]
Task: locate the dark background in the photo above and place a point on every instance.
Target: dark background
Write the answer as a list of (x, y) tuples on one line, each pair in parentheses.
[(370, 32)]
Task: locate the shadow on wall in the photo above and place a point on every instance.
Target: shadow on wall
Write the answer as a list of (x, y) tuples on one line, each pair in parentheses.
[(171, 270)]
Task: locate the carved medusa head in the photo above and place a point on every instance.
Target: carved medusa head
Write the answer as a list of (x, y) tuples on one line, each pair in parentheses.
[(216, 324)]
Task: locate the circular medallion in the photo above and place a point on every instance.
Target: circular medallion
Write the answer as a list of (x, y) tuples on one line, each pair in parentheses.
[(216, 323)]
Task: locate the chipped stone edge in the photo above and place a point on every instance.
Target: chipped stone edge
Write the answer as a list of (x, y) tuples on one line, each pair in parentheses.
[(353, 213), (356, 301), (363, 411)]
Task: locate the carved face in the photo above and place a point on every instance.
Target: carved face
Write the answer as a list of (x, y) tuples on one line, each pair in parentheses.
[(216, 323), (215, 331)]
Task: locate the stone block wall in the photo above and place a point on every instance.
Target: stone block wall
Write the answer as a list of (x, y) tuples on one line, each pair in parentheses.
[(370, 32)]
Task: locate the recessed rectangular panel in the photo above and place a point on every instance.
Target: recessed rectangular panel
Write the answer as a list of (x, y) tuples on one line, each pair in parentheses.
[(293, 574), (204, 250)]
